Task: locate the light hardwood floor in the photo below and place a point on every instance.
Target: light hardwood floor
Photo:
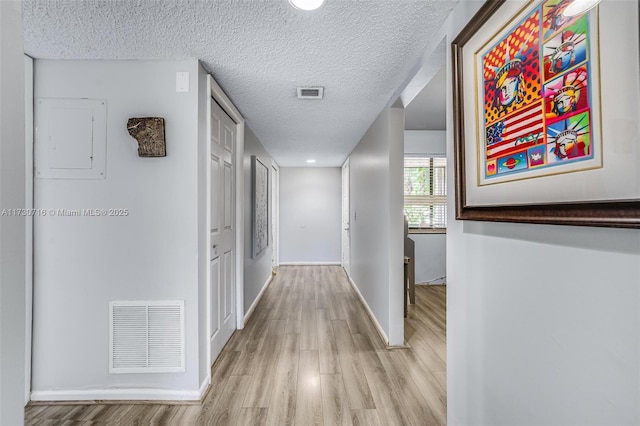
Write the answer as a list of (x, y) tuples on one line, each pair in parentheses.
[(309, 355)]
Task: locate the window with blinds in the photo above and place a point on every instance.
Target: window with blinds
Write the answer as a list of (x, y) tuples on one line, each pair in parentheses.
[(425, 192)]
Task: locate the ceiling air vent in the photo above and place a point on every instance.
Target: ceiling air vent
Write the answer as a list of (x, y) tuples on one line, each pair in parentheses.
[(310, 92)]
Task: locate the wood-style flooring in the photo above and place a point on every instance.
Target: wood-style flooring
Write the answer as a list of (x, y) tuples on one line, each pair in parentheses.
[(308, 355)]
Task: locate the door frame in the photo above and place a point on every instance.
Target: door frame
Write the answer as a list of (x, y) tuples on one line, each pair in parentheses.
[(275, 211), (29, 130), (346, 232), (215, 93)]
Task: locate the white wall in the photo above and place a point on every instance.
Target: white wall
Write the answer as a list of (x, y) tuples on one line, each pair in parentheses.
[(256, 271), (83, 263), (431, 249), (12, 227), (426, 142), (431, 258), (376, 174), (310, 215), (543, 322)]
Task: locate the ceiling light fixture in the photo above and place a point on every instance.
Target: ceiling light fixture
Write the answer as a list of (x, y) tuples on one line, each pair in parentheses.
[(311, 161), (578, 7), (306, 4)]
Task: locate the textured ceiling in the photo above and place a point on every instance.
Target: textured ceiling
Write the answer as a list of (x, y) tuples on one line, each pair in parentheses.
[(427, 111), (361, 51)]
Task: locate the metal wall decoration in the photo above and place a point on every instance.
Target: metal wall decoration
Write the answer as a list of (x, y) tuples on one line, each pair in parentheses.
[(540, 134), (149, 132)]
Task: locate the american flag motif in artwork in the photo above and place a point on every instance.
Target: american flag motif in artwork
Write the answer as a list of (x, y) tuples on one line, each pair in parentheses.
[(521, 130)]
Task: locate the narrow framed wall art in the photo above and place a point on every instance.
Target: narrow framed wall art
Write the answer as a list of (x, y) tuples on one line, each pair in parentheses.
[(259, 206)]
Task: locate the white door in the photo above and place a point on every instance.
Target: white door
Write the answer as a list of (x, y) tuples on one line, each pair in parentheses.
[(223, 232), (346, 227), (274, 218)]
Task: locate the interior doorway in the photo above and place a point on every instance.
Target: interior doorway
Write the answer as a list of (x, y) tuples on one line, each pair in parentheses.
[(224, 249), (346, 227), (275, 216), (222, 281), (425, 207)]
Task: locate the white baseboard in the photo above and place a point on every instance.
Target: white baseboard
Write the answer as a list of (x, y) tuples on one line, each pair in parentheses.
[(381, 332), (310, 263), (204, 387), (258, 297), (120, 395)]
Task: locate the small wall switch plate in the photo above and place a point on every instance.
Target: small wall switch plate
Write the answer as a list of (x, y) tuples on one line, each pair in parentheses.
[(182, 82)]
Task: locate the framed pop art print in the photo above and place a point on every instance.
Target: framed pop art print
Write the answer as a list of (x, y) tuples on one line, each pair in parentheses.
[(546, 114)]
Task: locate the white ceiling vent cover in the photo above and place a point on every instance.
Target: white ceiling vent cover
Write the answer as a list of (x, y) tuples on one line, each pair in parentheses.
[(316, 92), (146, 337)]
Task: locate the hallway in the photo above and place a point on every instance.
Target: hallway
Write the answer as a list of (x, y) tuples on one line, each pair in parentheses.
[(308, 355)]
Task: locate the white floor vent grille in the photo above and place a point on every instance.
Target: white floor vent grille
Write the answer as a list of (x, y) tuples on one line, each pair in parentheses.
[(146, 337)]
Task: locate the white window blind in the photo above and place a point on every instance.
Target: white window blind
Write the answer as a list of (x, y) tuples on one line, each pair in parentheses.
[(425, 192)]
